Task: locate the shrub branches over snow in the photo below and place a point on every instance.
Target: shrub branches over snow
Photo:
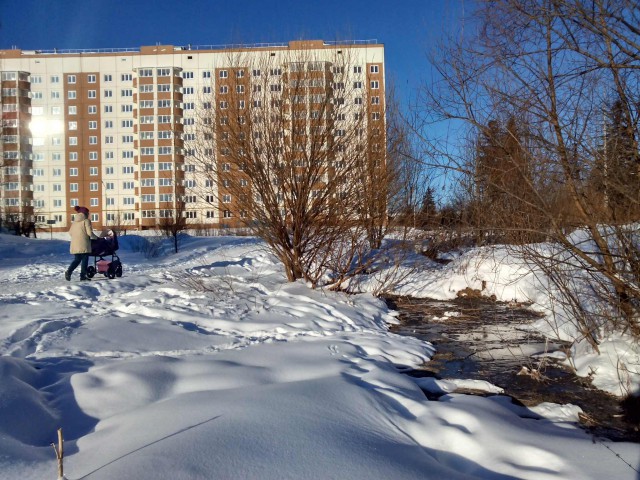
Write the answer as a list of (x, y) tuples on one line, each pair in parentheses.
[(572, 297)]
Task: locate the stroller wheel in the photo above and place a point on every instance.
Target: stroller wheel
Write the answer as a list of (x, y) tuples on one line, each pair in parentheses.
[(91, 271), (111, 273), (119, 270)]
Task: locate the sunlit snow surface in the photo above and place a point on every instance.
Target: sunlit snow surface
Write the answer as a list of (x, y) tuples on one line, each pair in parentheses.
[(248, 377)]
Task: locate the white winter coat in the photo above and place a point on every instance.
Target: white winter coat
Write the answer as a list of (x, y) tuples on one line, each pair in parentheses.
[(81, 234)]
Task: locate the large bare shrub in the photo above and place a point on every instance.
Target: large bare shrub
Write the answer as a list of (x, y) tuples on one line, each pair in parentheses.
[(285, 149)]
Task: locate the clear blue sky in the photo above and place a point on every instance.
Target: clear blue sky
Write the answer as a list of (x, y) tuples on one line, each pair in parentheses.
[(407, 28)]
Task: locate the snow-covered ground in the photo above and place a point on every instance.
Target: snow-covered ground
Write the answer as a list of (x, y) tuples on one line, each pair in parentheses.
[(245, 377)]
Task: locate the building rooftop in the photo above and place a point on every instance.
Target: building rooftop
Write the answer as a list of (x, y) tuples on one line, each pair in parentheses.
[(15, 51)]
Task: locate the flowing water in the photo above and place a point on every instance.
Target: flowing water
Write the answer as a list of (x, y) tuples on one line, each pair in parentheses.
[(479, 339)]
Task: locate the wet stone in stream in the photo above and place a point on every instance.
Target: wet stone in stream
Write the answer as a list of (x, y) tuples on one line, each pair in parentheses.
[(479, 339)]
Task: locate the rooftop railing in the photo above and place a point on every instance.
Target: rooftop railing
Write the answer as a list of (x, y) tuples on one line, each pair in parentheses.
[(226, 46)]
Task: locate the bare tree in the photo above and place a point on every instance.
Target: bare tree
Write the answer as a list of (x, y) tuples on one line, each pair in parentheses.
[(293, 148), (173, 223), (555, 66)]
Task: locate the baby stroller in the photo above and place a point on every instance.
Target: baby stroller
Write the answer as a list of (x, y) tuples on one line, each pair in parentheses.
[(104, 246)]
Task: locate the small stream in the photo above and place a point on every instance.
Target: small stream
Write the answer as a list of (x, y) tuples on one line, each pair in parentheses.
[(480, 339)]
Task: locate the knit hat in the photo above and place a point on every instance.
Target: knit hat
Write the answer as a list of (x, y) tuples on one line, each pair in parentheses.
[(83, 210)]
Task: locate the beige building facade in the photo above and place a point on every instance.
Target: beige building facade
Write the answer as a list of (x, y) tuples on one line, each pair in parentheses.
[(110, 129)]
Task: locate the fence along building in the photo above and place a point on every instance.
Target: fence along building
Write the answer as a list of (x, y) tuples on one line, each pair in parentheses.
[(110, 128)]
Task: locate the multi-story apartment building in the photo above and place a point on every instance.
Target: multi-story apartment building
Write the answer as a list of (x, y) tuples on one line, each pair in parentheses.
[(111, 129)]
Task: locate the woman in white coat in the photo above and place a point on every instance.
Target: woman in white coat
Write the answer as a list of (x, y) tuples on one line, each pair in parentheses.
[(81, 235)]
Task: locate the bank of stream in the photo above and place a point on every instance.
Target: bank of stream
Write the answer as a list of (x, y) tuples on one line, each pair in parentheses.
[(480, 339)]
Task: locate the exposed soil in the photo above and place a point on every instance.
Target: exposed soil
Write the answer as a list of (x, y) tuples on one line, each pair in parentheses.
[(477, 338)]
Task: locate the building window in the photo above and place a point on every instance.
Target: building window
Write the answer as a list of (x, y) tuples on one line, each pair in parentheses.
[(126, 77), (375, 84), (126, 92), (93, 109), (73, 172), (108, 93), (145, 72), (71, 78), (224, 89), (373, 68), (93, 140), (71, 94), (223, 74), (91, 79), (93, 155), (93, 202), (187, 74), (91, 94), (73, 187), (73, 156), (93, 171), (108, 109), (73, 140), (375, 100), (127, 185), (93, 125), (164, 72), (107, 78), (127, 169)]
